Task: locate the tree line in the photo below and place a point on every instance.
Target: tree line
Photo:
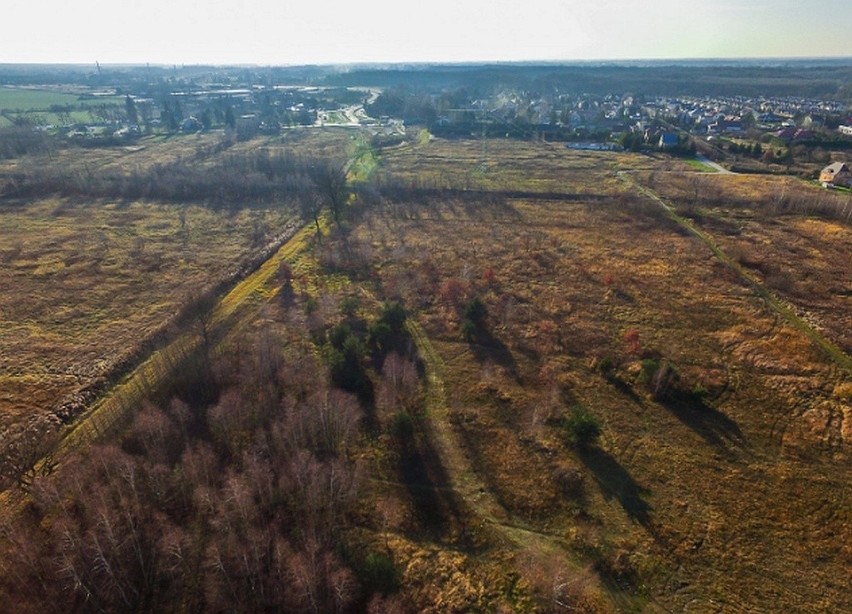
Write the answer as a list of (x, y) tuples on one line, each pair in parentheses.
[(232, 180)]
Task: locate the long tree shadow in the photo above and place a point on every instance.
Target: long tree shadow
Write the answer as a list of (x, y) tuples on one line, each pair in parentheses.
[(713, 426), (616, 482), (623, 387), (427, 483), (486, 346)]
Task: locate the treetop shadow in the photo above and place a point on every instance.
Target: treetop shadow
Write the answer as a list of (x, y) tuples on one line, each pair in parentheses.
[(616, 482)]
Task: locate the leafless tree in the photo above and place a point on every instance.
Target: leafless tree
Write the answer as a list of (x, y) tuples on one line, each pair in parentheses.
[(399, 386), (324, 423), (310, 206), (332, 186), (27, 450)]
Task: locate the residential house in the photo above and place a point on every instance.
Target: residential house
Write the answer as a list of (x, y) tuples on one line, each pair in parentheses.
[(668, 140), (837, 174), (729, 124), (191, 125), (794, 134)]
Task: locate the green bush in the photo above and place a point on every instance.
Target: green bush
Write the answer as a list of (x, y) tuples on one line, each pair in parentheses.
[(403, 426), (476, 311), (394, 315), (380, 336), (606, 365), (700, 392), (388, 333), (468, 330), (349, 306), (346, 363), (379, 574), (660, 377), (338, 335), (311, 305), (473, 319), (582, 428)]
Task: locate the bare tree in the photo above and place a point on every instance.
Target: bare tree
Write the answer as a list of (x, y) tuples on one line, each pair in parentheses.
[(399, 386), (332, 186), (310, 206), (26, 450), (199, 309), (107, 539)]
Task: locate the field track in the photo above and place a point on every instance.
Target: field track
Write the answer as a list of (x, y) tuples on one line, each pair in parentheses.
[(113, 409), (470, 488)]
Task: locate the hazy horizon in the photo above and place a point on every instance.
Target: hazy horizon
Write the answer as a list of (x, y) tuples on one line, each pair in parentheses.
[(261, 32), (760, 61)]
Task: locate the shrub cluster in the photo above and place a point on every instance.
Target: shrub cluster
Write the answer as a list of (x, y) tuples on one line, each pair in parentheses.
[(582, 428), (17, 141), (473, 318), (660, 377), (348, 346)]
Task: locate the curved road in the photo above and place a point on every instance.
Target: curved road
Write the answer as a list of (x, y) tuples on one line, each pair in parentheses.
[(717, 167)]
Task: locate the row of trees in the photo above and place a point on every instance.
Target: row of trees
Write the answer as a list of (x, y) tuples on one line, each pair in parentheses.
[(700, 191), (258, 176), (746, 149)]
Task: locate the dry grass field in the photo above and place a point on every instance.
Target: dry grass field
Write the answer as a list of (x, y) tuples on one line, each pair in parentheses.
[(729, 494), (498, 164), (87, 284), (796, 237)]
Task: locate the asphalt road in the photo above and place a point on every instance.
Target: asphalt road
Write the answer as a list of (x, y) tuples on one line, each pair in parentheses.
[(718, 167)]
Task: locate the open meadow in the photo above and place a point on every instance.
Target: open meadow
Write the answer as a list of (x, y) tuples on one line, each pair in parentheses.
[(511, 377), (794, 235), (599, 303), (44, 105), (89, 284)]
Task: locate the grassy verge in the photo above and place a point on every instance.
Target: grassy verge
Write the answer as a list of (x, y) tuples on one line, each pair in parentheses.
[(699, 166)]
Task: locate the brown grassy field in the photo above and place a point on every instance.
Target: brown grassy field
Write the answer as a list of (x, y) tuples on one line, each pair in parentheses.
[(763, 223), (729, 495), (498, 164), (86, 284)]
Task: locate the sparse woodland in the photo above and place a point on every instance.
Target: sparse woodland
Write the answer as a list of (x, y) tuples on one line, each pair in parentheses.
[(240, 504)]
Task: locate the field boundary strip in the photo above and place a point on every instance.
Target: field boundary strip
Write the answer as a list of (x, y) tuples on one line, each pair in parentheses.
[(110, 410)]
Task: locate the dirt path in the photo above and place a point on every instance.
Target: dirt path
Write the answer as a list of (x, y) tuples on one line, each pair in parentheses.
[(463, 479), (714, 165), (467, 485)]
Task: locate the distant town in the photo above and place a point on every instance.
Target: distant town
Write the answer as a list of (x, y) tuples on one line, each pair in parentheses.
[(776, 130)]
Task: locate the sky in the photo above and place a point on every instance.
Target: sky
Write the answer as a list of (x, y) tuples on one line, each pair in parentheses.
[(287, 32)]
